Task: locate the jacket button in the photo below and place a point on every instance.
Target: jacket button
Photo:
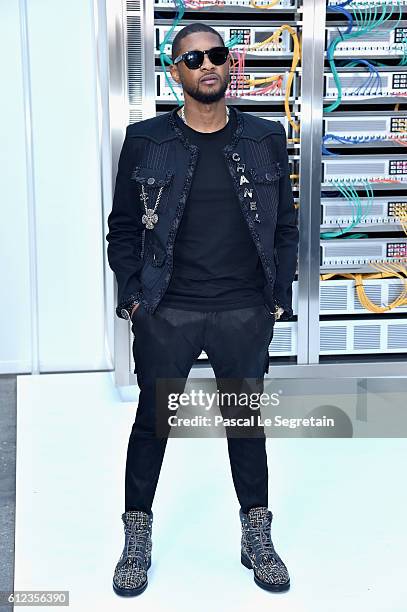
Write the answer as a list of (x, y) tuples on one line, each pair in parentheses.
[(151, 180)]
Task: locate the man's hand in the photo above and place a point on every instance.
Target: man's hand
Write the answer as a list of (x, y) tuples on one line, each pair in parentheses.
[(279, 312)]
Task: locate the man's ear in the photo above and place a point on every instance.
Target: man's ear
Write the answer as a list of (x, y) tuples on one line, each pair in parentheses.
[(174, 73)]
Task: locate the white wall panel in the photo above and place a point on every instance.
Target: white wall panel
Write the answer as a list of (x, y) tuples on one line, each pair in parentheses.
[(15, 318), (67, 175), (62, 243)]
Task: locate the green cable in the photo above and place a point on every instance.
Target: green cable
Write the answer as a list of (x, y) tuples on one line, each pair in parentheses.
[(355, 218), (163, 56)]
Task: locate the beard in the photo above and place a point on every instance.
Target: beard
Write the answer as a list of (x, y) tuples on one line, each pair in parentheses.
[(217, 93)]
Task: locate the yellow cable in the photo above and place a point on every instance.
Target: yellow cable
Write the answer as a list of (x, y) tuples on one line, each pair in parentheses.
[(264, 6), (400, 211), (296, 59), (390, 269)]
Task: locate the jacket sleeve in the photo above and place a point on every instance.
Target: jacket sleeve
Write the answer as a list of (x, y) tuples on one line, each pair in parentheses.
[(125, 231), (286, 235)]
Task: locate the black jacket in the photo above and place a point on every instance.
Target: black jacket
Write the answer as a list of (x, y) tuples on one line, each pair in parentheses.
[(156, 154)]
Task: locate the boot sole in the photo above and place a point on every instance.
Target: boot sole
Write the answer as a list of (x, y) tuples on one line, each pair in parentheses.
[(131, 592), (264, 585)]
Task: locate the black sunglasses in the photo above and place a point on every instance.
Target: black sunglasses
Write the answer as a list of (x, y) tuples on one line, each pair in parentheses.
[(195, 59)]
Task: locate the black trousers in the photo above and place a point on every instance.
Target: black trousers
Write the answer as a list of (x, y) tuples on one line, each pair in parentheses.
[(166, 344)]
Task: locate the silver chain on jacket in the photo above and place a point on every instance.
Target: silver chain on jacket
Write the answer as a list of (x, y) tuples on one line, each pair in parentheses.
[(150, 216)]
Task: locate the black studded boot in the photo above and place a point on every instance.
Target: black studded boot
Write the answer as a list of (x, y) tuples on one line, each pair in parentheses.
[(130, 574), (258, 553)]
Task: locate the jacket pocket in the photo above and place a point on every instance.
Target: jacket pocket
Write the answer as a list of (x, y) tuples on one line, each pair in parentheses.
[(153, 179), (155, 251), (266, 182), (155, 256)]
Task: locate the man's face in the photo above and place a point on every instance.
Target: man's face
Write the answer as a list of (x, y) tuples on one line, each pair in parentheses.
[(191, 80)]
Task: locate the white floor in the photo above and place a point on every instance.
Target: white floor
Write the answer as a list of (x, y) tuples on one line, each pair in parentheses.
[(339, 510)]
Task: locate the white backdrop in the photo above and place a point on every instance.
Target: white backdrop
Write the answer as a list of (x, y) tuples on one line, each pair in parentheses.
[(52, 235)]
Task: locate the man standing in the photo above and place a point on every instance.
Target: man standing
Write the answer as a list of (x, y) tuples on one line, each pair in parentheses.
[(214, 272)]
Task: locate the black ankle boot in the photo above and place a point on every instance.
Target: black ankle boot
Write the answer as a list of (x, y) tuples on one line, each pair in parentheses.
[(130, 574), (258, 553)]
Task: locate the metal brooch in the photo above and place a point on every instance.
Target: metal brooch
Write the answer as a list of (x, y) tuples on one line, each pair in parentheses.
[(150, 217)]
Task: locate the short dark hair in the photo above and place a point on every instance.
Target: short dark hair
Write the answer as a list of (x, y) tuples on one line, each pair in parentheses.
[(191, 28)]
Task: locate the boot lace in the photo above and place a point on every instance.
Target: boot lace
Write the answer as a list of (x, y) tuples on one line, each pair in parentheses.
[(262, 542), (136, 543)]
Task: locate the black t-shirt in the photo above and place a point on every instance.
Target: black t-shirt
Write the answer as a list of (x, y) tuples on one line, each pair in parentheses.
[(216, 263)]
